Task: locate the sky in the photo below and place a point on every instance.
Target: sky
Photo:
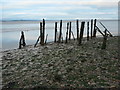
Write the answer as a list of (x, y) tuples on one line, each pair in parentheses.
[(58, 9)]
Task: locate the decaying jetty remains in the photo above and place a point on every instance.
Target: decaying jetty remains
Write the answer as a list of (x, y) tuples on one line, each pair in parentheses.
[(58, 38)]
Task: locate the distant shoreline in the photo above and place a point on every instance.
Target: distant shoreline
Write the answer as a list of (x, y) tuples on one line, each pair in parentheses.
[(61, 19)]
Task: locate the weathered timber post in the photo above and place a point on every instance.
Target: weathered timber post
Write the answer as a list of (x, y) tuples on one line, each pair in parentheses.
[(81, 32), (41, 33), (70, 32), (46, 39), (94, 33), (87, 31), (104, 40), (22, 40), (60, 31), (37, 41), (62, 38), (77, 30), (99, 30), (73, 35), (91, 28), (40, 36), (55, 31), (67, 33), (106, 29)]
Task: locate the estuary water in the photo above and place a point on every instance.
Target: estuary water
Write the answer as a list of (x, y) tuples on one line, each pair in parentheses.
[(10, 31)]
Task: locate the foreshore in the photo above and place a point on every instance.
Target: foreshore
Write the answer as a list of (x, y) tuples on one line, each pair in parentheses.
[(60, 65)]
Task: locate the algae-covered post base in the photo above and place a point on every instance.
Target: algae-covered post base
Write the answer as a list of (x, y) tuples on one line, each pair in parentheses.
[(104, 40), (81, 32), (22, 40)]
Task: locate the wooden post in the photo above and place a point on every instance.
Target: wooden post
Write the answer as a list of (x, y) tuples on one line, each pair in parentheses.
[(77, 30), (46, 39), (43, 30), (67, 33), (70, 32), (106, 29), (99, 31), (60, 31), (104, 41), (62, 38), (87, 31), (22, 40), (55, 31), (37, 41), (94, 33), (91, 28), (73, 35), (81, 32), (41, 33)]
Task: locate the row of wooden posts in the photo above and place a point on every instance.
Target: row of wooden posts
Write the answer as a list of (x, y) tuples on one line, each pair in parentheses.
[(94, 28)]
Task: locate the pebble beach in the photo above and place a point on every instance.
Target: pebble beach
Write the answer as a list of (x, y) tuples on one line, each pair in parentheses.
[(60, 65)]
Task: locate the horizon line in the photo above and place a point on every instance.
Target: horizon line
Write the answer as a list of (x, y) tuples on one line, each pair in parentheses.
[(53, 19)]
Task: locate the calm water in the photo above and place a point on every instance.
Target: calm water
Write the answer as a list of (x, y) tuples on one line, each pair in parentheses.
[(11, 31)]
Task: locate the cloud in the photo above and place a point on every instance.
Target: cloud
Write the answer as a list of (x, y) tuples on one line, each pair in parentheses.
[(58, 8), (27, 3)]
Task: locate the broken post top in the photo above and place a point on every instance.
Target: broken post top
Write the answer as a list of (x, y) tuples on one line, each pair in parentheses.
[(22, 32), (43, 21)]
